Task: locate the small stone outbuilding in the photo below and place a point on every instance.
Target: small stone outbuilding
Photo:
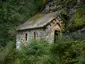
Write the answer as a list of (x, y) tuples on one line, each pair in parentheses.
[(41, 26)]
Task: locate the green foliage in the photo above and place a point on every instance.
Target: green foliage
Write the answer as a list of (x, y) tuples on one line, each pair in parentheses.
[(64, 51), (40, 52), (78, 19), (68, 3), (8, 54), (14, 13), (69, 52), (37, 52), (36, 48)]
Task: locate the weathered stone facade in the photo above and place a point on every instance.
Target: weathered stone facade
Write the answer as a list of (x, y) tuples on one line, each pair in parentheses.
[(43, 27), (41, 33), (47, 33)]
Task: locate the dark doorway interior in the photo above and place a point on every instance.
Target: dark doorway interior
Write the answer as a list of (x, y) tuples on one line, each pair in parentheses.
[(55, 36), (34, 35), (26, 36)]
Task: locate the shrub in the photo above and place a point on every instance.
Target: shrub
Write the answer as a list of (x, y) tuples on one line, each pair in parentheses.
[(34, 52), (64, 51), (8, 54)]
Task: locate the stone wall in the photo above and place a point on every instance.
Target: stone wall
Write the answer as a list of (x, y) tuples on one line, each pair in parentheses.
[(47, 33), (41, 33)]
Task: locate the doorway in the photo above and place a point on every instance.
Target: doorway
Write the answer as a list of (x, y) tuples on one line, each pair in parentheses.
[(55, 36), (35, 35)]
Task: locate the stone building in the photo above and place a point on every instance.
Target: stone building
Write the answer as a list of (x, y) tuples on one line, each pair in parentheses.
[(41, 26), (44, 25)]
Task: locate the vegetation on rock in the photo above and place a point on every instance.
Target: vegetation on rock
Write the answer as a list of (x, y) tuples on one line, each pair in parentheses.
[(66, 51), (40, 52)]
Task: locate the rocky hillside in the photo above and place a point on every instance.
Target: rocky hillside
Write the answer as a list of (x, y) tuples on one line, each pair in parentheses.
[(69, 49), (16, 12), (71, 12)]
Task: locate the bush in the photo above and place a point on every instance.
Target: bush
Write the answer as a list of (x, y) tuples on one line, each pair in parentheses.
[(8, 54), (35, 53), (65, 51)]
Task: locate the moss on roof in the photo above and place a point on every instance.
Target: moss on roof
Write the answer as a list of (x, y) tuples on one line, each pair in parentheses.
[(37, 16), (39, 20)]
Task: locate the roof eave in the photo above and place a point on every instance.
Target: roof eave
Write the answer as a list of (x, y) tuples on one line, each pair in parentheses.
[(31, 28)]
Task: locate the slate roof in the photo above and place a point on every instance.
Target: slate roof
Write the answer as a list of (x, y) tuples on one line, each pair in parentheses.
[(39, 20)]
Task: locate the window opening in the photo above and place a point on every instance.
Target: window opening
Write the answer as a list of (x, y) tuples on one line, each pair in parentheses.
[(26, 36)]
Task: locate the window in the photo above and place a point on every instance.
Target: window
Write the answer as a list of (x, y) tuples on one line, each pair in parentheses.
[(26, 36), (34, 35)]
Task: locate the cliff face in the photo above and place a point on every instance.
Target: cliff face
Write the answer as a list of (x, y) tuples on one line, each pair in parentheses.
[(51, 6), (56, 5), (70, 11)]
